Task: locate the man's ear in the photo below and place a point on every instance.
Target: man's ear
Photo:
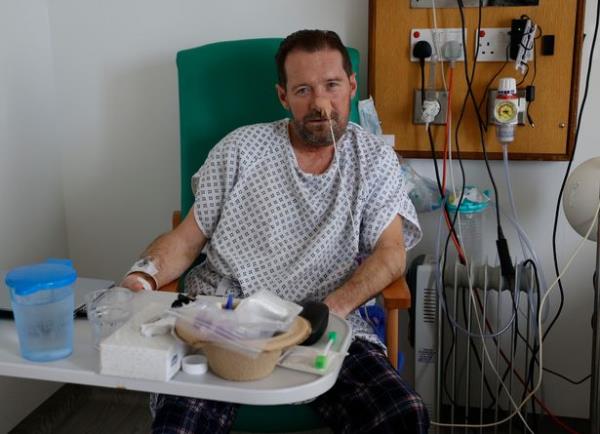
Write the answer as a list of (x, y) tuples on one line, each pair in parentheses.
[(353, 85), (282, 95)]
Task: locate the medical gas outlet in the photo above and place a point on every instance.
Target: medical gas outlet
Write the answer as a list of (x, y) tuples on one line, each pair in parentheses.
[(505, 110)]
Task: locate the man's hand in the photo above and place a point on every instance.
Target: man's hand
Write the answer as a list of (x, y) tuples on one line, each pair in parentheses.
[(137, 282), (382, 267)]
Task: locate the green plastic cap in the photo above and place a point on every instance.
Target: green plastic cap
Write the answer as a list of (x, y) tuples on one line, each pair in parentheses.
[(320, 361)]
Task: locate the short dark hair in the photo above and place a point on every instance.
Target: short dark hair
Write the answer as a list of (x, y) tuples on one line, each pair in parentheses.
[(310, 41)]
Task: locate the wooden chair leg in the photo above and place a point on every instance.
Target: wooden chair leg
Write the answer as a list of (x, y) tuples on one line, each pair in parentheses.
[(392, 336)]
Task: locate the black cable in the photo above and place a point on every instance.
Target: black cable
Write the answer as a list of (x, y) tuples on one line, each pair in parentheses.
[(506, 264), (453, 222), (474, 348), (531, 84), (422, 65), (445, 211), (536, 346), (463, 108), (450, 232), (438, 179), (456, 139), (564, 377), (553, 372), (562, 187), (535, 55), (469, 79), (422, 50), (535, 349), (470, 93)]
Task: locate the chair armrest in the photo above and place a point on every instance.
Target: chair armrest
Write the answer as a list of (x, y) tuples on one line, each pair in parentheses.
[(397, 295), (170, 287), (175, 219)]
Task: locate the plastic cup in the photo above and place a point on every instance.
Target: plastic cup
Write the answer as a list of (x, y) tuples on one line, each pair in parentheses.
[(42, 302), (108, 310)]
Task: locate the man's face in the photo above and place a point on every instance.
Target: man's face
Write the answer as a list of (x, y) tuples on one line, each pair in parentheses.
[(315, 81)]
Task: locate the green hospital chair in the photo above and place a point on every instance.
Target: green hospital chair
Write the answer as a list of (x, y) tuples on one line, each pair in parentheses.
[(223, 86)]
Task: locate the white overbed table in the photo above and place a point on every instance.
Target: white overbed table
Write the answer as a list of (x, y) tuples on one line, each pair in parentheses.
[(283, 386)]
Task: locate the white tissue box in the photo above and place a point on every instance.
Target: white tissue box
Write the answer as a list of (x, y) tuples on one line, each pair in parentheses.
[(127, 353)]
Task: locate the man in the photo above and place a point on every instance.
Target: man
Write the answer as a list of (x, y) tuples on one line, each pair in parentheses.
[(294, 206)]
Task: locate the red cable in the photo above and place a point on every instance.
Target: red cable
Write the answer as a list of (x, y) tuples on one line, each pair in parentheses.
[(447, 127), (459, 250)]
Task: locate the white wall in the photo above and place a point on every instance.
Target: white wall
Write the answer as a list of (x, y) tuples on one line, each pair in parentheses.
[(116, 119), (32, 222)]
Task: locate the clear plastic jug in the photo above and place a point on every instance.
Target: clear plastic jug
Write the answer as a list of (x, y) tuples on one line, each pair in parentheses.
[(42, 303)]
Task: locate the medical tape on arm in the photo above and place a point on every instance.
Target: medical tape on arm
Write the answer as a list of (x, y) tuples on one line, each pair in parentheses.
[(148, 268), (144, 282)]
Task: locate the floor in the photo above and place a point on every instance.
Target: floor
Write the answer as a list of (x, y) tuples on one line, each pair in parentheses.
[(99, 410), (102, 410)]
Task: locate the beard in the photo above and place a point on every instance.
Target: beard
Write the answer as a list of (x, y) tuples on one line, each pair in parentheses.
[(319, 134)]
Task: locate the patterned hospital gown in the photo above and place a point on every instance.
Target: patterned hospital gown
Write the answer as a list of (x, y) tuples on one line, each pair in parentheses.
[(272, 226)]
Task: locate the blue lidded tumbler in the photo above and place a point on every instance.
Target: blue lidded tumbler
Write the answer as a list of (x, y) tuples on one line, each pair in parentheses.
[(42, 302)]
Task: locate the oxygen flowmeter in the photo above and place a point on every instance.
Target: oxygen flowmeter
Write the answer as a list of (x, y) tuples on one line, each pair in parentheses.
[(506, 110)]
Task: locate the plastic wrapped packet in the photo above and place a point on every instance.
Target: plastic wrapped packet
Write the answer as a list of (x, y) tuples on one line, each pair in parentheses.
[(245, 328), (267, 308), (423, 191), (207, 322), (369, 119), (303, 359)]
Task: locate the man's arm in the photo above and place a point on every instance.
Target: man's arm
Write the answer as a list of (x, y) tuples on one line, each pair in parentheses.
[(385, 265), (171, 254)]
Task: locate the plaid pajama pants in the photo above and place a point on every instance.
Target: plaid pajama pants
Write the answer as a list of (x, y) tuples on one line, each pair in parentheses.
[(368, 397)]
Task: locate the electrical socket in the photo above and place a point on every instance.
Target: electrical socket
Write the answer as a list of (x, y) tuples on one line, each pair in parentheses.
[(441, 37), (494, 44)]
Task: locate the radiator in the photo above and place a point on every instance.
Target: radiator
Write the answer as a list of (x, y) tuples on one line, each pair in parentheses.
[(452, 373)]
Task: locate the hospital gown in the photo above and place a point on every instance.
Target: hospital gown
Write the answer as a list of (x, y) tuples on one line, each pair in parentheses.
[(273, 226)]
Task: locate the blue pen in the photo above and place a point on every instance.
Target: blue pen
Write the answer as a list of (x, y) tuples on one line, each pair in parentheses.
[(229, 302)]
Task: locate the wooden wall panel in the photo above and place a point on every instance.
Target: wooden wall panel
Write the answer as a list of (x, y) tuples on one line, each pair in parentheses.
[(393, 78)]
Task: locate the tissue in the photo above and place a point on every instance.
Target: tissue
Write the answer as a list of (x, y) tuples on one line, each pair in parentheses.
[(127, 353)]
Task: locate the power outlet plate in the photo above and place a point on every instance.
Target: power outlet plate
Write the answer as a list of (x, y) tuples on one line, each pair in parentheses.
[(470, 3), (441, 96), (441, 37), (493, 45)]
